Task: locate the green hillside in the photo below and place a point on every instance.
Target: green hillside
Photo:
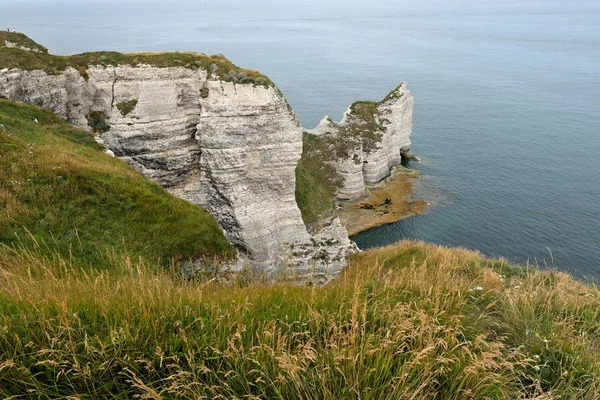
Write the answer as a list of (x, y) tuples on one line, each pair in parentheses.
[(60, 193), (20, 40)]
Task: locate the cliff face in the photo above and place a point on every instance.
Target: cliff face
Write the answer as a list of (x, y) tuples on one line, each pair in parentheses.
[(230, 148), (216, 135), (381, 135)]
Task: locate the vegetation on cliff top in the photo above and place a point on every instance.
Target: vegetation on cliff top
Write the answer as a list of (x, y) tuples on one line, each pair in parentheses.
[(59, 192), (216, 65), (362, 129), (316, 178), (411, 321), (21, 40), (365, 123)]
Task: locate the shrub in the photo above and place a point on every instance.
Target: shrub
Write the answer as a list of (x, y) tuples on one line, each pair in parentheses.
[(97, 121), (126, 107)]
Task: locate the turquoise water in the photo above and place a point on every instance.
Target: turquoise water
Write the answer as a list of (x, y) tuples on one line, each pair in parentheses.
[(507, 98)]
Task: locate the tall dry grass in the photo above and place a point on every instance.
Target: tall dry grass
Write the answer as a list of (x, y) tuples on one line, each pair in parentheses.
[(412, 321)]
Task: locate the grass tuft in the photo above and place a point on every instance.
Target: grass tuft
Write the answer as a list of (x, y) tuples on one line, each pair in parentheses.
[(126, 107)]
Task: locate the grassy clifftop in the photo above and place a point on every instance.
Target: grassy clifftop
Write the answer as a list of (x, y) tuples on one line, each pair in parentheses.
[(60, 194), (8, 39), (215, 65), (412, 321)]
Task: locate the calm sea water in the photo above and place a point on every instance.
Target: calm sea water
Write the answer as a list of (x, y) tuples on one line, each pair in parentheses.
[(507, 110)]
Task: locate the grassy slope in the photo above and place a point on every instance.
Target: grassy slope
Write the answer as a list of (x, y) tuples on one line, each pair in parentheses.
[(21, 40), (412, 321), (316, 179), (58, 191), (215, 64)]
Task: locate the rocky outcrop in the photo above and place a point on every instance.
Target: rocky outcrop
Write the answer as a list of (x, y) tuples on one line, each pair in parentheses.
[(376, 136), (10, 44), (231, 148), (15, 40)]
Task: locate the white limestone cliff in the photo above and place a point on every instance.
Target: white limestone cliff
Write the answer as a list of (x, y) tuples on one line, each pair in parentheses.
[(231, 148), (392, 118)]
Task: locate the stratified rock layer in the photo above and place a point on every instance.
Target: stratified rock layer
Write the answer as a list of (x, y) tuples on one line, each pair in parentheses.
[(231, 148), (393, 119)]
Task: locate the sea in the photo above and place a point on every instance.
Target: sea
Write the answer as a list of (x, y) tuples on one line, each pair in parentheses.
[(507, 98)]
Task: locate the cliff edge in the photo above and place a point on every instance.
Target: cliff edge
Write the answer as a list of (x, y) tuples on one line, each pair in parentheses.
[(219, 136)]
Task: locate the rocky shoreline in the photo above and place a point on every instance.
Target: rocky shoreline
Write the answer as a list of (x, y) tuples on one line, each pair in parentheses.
[(385, 203)]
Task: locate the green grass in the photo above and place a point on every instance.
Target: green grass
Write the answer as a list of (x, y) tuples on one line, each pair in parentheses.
[(411, 321), (364, 123), (126, 107), (60, 193), (316, 178), (394, 94), (215, 65), (97, 121), (21, 40)]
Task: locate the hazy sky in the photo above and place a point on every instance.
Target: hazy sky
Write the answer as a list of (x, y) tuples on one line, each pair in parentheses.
[(323, 4)]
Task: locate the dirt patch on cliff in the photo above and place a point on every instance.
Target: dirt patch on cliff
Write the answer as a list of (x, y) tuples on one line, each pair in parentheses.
[(387, 202)]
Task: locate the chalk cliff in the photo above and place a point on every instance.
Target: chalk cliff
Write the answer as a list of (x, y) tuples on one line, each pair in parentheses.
[(376, 136), (216, 135), (231, 148)]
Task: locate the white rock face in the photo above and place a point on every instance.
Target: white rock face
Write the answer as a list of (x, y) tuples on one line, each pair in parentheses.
[(350, 169), (362, 169), (230, 148), (8, 43)]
